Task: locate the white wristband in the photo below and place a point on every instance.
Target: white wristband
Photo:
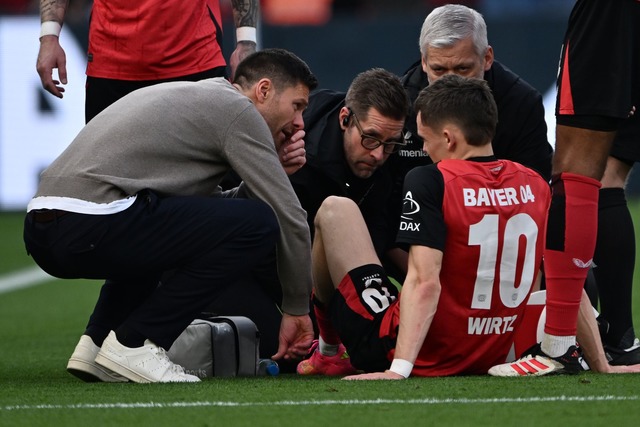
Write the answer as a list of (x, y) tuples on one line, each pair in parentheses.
[(401, 367), (246, 34), (50, 28)]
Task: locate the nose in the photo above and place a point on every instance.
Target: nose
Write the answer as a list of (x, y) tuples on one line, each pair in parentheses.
[(378, 153), (298, 121)]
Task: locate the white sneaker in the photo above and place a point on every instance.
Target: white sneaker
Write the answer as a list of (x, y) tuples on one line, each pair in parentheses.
[(536, 362), (83, 364), (146, 364)]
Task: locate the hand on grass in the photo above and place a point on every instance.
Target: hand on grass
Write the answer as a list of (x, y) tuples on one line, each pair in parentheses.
[(623, 369), (296, 336), (386, 375)]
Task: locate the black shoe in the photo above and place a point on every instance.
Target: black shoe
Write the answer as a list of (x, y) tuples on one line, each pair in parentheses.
[(626, 352), (619, 356)]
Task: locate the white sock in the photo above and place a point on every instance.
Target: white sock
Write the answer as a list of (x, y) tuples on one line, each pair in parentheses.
[(556, 346), (327, 349)]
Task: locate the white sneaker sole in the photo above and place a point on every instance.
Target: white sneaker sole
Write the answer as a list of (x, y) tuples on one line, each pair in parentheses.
[(121, 370), (92, 372)]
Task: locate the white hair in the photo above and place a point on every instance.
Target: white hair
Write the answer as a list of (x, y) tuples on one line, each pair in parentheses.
[(446, 25)]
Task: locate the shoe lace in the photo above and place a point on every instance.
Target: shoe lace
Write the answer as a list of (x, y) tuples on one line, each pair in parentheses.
[(161, 353)]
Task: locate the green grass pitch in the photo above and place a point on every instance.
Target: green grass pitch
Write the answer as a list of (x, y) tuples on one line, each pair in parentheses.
[(40, 325)]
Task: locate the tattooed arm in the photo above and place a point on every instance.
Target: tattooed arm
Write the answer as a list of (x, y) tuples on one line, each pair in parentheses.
[(51, 55), (245, 18)]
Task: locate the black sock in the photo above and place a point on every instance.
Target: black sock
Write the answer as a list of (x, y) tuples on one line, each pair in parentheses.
[(615, 259), (97, 334), (129, 337)]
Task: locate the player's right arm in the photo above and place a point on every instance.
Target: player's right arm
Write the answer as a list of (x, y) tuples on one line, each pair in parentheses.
[(418, 300), (51, 55)]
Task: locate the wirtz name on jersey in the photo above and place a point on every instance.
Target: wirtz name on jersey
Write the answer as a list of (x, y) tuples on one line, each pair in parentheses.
[(491, 325), (497, 196)]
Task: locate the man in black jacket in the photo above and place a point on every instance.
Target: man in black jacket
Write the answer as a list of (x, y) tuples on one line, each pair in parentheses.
[(349, 138), (453, 39)]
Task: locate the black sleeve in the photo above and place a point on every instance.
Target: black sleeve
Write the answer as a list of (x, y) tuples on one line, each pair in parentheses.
[(521, 134), (421, 220)]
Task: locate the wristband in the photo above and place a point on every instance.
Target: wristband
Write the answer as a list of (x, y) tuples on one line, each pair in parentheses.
[(246, 34), (401, 367), (50, 28)]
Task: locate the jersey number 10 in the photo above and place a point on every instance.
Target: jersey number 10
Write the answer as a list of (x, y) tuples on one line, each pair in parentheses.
[(485, 234)]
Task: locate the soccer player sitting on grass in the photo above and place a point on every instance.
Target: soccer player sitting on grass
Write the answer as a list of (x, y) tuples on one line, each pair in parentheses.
[(475, 228)]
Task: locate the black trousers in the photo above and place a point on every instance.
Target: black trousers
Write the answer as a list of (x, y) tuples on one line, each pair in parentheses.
[(165, 259), (100, 93)]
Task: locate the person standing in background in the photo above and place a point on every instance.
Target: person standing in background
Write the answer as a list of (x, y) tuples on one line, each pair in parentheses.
[(615, 255), (138, 44), (593, 102)]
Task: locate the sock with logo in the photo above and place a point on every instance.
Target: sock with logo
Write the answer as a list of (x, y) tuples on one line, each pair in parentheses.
[(571, 240), (329, 341)]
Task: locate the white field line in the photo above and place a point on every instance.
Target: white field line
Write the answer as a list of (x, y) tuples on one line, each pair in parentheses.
[(23, 279), (146, 405)]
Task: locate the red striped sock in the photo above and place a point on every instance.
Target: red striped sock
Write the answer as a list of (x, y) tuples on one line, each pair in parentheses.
[(571, 240), (325, 327)]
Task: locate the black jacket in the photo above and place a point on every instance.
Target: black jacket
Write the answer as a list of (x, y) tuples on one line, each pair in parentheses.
[(521, 134), (326, 172)]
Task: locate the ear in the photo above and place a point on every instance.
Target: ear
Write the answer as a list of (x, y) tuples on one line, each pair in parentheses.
[(488, 58), (344, 116), (263, 90), (449, 139)]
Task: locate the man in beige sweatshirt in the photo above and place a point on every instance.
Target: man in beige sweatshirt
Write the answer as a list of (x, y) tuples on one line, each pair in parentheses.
[(135, 200)]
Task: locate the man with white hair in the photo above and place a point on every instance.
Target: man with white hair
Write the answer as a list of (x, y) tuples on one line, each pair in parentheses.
[(453, 40)]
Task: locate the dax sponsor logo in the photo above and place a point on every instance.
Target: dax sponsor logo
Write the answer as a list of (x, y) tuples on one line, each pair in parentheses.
[(409, 208)]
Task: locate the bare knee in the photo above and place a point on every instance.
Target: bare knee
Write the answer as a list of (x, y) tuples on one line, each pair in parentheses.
[(334, 208), (581, 151)]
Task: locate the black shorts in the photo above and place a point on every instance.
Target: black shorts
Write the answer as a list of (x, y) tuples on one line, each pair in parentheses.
[(357, 309), (600, 61), (100, 93), (626, 146)]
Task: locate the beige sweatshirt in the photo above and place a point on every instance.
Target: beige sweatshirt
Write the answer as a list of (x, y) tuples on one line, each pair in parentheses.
[(181, 138)]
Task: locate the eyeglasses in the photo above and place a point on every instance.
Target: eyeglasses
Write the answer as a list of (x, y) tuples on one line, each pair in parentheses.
[(371, 142)]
